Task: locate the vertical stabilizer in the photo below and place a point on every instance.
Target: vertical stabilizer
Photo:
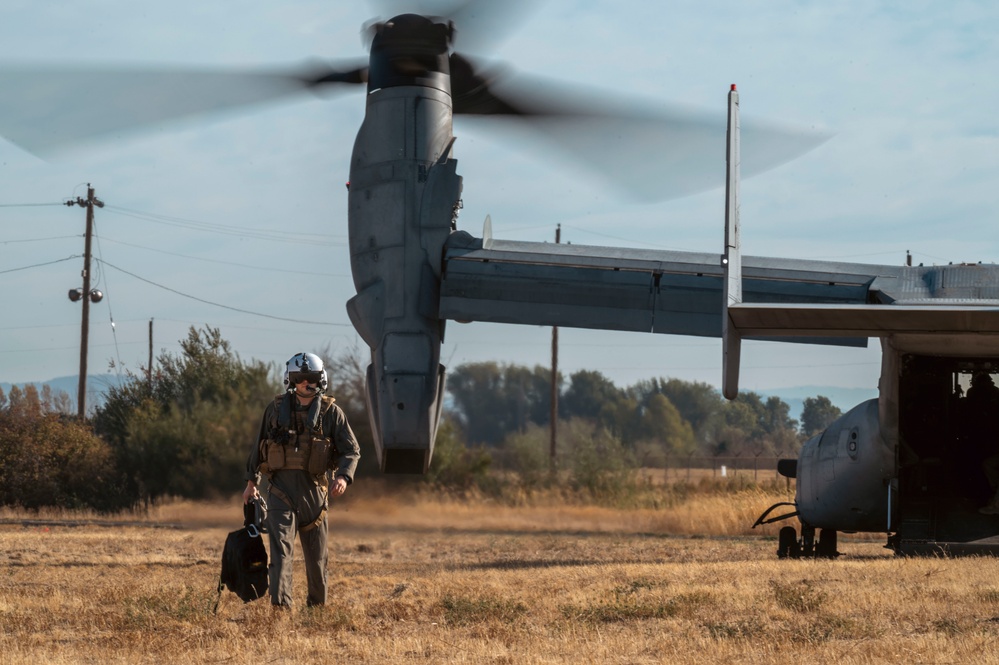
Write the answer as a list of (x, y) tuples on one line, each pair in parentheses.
[(732, 258), (487, 233)]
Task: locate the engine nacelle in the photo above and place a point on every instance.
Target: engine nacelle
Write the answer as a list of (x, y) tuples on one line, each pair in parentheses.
[(403, 201), (843, 474)]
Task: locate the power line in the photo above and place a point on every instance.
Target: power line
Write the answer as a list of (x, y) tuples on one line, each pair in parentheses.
[(10, 242), (239, 231), (215, 304), (67, 348), (227, 263), (144, 319), (39, 265), (114, 330), (643, 243), (44, 325), (28, 205)]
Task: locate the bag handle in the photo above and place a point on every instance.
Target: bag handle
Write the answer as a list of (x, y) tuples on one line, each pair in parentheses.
[(249, 513)]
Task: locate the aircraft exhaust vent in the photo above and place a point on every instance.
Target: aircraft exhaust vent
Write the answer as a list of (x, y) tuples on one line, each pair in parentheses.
[(405, 460)]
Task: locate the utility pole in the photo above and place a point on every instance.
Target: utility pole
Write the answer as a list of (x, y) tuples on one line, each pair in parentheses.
[(149, 367), (87, 295), (554, 386)]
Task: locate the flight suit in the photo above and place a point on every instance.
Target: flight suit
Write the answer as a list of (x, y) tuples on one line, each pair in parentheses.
[(297, 500)]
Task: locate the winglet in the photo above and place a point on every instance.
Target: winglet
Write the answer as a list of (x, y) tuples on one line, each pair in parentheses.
[(487, 233), (732, 258)]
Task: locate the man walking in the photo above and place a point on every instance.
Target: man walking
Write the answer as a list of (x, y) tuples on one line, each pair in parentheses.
[(308, 452)]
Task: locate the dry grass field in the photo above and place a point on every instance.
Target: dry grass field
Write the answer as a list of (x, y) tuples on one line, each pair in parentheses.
[(420, 578)]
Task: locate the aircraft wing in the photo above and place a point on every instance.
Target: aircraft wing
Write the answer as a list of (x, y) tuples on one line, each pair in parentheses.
[(657, 291), (755, 319)]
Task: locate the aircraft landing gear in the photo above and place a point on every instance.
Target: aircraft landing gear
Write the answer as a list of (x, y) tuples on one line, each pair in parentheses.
[(807, 540), (826, 547), (787, 544), (790, 547)]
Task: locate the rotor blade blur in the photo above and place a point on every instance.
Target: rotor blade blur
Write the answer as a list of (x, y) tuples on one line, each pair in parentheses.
[(45, 108), (652, 151), (480, 25)]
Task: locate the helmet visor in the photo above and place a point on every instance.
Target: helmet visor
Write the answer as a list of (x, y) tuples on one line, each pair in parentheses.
[(296, 378)]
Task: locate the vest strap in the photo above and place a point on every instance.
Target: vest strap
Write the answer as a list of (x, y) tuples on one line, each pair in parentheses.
[(279, 493)]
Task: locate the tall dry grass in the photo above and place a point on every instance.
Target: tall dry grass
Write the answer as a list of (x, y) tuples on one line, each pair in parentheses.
[(431, 578)]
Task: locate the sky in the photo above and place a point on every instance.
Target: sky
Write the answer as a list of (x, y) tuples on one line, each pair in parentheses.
[(248, 211)]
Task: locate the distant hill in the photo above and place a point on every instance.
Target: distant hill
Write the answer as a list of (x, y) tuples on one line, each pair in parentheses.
[(97, 386), (844, 398)]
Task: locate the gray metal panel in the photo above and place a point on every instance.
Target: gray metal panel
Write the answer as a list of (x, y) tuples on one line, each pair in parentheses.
[(623, 289), (689, 305), (547, 295), (865, 320), (463, 246)]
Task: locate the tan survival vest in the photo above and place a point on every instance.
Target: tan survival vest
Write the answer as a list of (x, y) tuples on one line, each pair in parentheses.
[(309, 451)]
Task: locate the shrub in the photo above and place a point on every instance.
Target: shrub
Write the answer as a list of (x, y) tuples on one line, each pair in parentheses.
[(49, 460), (188, 431), (453, 465)]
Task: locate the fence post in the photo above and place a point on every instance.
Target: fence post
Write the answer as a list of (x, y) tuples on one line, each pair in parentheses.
[(756, 463)]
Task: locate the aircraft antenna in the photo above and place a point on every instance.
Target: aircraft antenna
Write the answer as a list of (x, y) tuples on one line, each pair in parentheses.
[(554, 387)]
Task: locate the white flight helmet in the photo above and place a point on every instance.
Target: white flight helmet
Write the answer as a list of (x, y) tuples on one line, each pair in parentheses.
[(307, 366)]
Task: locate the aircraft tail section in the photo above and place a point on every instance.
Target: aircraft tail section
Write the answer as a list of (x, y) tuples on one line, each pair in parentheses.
[(732, 259)]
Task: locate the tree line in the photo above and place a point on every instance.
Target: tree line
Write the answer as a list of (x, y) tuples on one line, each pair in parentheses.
[(186, 430), (491, 401)]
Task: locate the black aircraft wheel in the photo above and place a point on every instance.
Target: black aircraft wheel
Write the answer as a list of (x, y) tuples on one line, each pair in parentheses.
[(787, 544), (826, 547)]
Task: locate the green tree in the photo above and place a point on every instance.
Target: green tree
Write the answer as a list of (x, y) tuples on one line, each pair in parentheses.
[(817, 414), (528, 393), (589, 457), (188, 431), (780, 431), (587, 395), (63, 403), (699, 403), (739, 424), (528, 454), (491, 400), (596, 460), (664, 428), (18, 404), (48, 460), (753, 426), (622, 418), (454, 465)]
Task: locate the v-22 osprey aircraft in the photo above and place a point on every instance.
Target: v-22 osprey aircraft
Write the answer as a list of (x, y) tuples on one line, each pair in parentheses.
[(913, 463)]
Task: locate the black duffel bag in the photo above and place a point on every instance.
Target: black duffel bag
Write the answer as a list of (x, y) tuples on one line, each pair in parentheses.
[(244, 559)]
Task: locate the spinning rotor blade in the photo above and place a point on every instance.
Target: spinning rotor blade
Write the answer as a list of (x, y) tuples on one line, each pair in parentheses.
[(652, 151), (480, 25), (43, 108)]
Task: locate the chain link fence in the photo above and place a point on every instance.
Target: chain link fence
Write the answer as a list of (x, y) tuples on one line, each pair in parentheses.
[(690, 468), (756, 468)]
